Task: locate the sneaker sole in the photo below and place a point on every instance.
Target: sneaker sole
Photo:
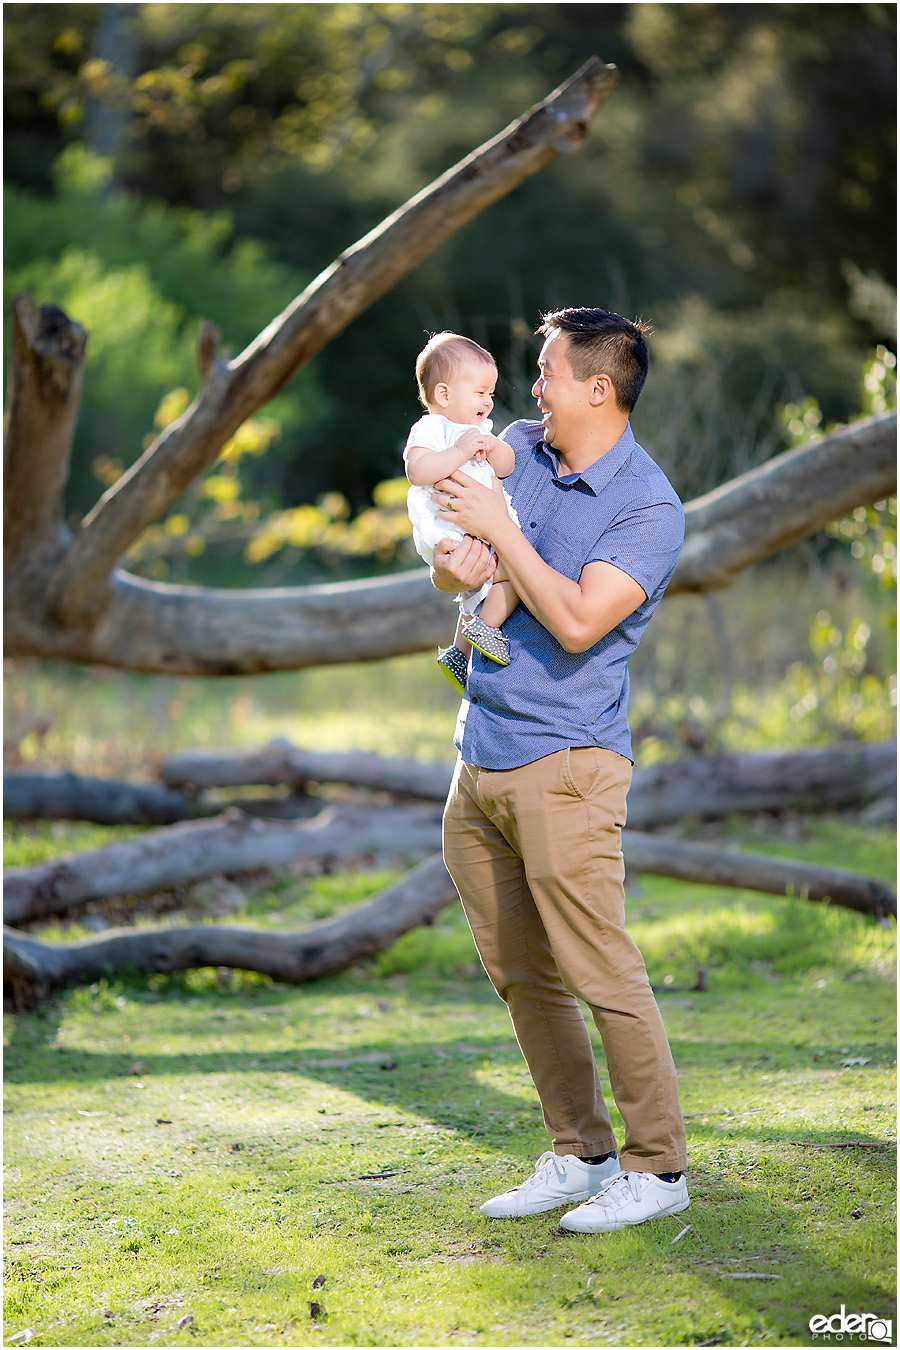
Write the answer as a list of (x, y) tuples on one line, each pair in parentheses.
[(627, 1223), (538, 1209)]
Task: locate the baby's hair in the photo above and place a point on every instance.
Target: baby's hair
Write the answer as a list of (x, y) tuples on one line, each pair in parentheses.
[(443, 357)]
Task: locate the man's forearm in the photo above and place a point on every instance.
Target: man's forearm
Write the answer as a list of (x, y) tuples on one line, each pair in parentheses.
[(577, 613), (554, 600)]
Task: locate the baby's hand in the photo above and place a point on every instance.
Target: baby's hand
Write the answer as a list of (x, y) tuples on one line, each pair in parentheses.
[(474, 444)]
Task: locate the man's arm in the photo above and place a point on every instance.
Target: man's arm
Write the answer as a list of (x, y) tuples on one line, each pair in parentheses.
[(577, 613)]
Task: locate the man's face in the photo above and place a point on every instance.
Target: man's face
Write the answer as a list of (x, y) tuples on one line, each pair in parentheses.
[(563, 400)]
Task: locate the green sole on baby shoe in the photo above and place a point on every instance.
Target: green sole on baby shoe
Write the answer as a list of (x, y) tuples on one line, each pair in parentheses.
[(455, 667)]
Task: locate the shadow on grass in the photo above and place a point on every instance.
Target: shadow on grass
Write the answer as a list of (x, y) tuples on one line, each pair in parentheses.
[(401, 1075), (748, 1217)]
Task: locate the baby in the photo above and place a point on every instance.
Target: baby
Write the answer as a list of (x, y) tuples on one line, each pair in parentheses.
[(456, 381)]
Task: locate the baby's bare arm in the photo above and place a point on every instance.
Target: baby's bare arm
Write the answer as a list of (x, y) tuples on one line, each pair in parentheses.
[(426, 467), (501, 456)]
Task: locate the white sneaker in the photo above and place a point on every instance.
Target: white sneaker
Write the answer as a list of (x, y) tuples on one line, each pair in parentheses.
[(556, 1181), (629, 1198)]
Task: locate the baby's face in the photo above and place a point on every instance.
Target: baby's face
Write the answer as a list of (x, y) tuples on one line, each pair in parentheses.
[(471, 393)]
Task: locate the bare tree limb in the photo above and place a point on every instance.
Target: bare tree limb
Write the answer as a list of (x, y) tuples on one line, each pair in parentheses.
[(416, 898), (235, 843), (195, 630), (311, 953), (817, 778), (46, 363), (792, 496), (105, 801), (813, 778), (663, 856), (232, 391), (227, 844)]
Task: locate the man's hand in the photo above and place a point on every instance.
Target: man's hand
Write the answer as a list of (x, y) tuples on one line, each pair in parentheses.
[(477, 509), (462, 566)]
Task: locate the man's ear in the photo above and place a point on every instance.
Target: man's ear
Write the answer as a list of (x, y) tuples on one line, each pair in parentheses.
[(601, 390), (441, 395)]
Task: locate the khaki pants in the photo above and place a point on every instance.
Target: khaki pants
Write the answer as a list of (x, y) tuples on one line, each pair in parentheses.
[(536, 856)]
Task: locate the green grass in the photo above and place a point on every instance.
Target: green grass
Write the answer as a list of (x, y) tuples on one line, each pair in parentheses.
[(206, 1145), (178, 1147)]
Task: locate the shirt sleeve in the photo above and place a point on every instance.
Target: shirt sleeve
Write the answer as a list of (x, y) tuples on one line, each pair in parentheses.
[(427, 432), (645, 542)]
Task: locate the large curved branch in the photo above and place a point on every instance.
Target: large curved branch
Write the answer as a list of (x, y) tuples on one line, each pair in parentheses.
[(784, 500), (201, 631), (230, 844), (234, 390)]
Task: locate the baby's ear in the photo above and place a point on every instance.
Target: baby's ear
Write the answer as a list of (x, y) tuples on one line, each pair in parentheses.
[(441, 395)]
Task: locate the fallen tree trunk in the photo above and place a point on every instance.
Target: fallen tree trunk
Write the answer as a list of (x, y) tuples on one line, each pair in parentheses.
[(235, 843), (105, 801), (663, 856), (69, 796), (194, 630), (225, 845), (332, 945), (295, 957), (819, 778)]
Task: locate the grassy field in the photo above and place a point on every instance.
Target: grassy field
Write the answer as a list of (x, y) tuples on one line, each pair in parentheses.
[(293, 1166), (214, 1159)]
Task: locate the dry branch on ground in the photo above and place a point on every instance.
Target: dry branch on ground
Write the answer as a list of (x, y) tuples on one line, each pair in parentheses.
[(819, 778), (416, 898), (225, 845)]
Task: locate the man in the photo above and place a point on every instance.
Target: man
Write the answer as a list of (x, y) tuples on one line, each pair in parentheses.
[(532, 827)]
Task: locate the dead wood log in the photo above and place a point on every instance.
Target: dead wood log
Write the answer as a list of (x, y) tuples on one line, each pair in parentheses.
[(45, 372), (416, 898), (69, 796), (193, 630), (818, 778), (282, 762), (104, 801), (227, 844), (663, 856), (770, 507), (311, 953), (236, 843), (77, 611), (67, 602)]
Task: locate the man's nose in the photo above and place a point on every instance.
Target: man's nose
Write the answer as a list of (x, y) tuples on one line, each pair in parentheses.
[(537, 387)]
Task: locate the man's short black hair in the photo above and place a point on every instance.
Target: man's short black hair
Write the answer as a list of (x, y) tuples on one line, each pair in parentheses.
[(603, 343)]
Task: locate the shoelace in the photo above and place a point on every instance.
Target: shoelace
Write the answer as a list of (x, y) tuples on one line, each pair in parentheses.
[(545, 1163), (626, 1186)]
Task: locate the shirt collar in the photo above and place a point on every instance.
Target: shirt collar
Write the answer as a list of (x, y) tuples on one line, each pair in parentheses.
[(598, 474)]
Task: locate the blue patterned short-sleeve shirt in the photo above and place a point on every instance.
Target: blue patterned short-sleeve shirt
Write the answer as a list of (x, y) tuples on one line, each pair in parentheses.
[(622, 510)]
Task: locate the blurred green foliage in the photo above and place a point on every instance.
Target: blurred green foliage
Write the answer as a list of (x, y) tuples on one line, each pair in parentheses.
[(737, 190), (139, 276)]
